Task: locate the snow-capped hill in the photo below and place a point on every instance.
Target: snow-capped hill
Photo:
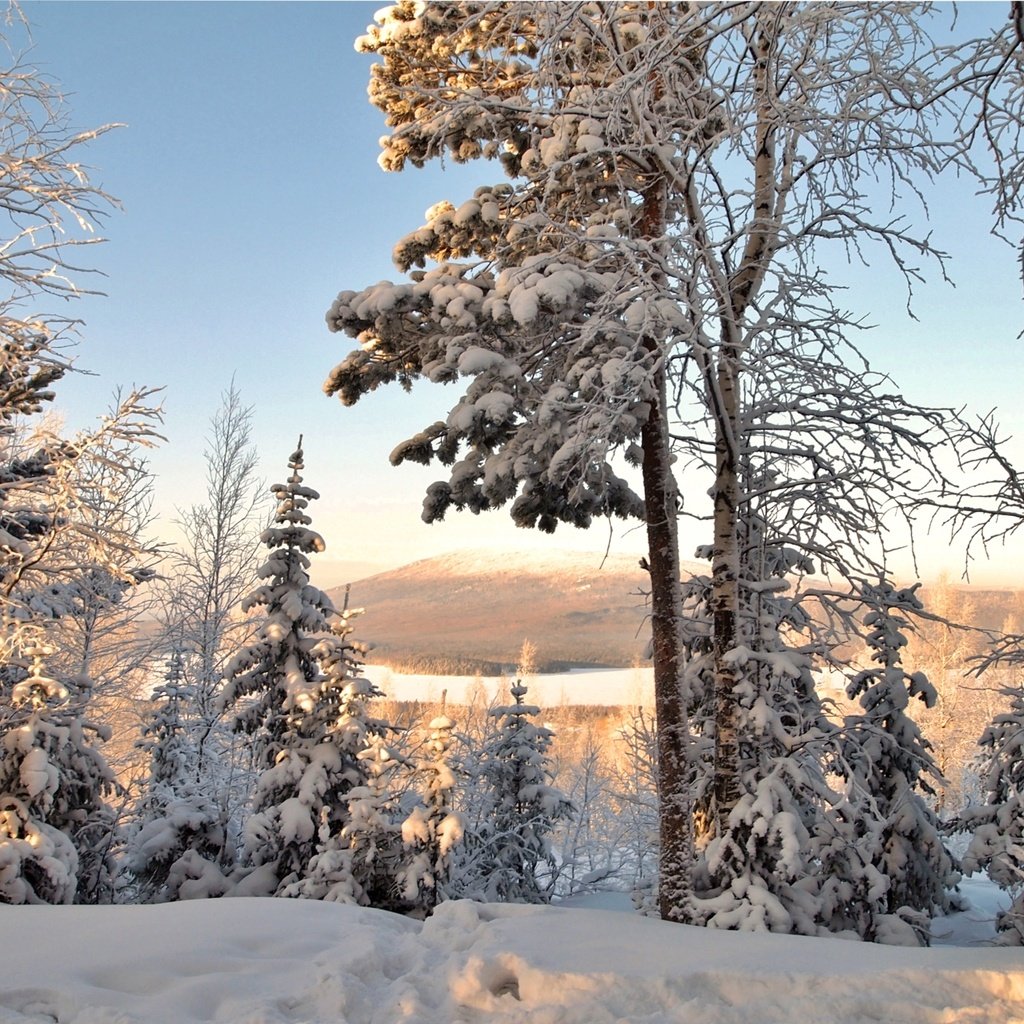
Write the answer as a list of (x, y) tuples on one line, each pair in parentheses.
[(476, 561), (481, 605)]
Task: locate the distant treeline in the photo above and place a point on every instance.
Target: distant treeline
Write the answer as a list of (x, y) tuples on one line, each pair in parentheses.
[(413, 664)]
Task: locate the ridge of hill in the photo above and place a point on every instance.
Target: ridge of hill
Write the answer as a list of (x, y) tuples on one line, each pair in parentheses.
[(469, 611), (473, 609)]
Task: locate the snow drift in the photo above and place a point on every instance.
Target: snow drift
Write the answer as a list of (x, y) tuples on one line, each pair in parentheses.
[(267, 961)]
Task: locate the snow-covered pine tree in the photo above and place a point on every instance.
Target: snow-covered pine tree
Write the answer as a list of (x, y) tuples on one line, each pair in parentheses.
[(358, 862), (56, 827), (761, 868), (513, 860), (165, 735), (901, 872), (433, 828), (289, 692), (997, 826), (176, 816)]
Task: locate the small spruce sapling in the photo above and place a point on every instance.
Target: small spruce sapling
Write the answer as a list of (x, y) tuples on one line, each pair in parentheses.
[(433, 828), (997, 827), (908, 872), (175, 816), (516, 858)]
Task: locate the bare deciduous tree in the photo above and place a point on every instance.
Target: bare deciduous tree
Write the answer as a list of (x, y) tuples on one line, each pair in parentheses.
[(216, 564)]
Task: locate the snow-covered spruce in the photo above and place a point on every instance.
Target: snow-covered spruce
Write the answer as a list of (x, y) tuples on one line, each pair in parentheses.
[(433, 827), (359, 862), (509, 855), (760, 871), (294, 691), (896, 872), (56, 828), (997, 827), (176, 816)]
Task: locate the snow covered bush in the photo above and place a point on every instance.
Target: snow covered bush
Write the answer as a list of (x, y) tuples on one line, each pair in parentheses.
[(176, 814), (56, 828), (997, 827)]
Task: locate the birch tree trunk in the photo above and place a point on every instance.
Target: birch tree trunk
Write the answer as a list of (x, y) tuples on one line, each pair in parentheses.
[(743, 286)]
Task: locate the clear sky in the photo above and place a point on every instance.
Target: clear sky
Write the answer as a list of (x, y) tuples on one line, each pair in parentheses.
[(251, 195)]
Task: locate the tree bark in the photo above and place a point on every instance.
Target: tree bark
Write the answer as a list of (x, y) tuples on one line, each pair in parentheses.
[(661, 504), (725, 598), (675, 819), (743, 286)]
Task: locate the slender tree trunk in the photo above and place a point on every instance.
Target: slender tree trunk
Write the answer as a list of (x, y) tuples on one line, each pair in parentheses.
[(743, 286), (661, 501), (670, 699), (725, 597)]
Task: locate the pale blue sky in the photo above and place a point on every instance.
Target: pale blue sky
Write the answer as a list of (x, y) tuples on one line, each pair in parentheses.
[(251, 195)]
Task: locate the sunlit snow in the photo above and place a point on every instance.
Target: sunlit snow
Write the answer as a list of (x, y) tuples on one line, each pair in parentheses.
[(269, 961)]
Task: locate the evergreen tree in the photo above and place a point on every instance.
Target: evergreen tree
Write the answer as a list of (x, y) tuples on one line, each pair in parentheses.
[(433, 828), (175, 816), (56, 827), (358, 862), (165, 735), (290, 692), (899, 873), (515, 861), (997, 841), (760, 871)]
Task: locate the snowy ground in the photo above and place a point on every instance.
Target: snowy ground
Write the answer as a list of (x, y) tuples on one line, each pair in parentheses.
[(267, 961)]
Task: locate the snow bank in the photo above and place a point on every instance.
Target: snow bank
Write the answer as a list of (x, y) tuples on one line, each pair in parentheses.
[(265, 961)]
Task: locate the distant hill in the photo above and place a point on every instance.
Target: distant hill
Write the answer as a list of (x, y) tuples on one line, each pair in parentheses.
[(475, 609), (470, 611)]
